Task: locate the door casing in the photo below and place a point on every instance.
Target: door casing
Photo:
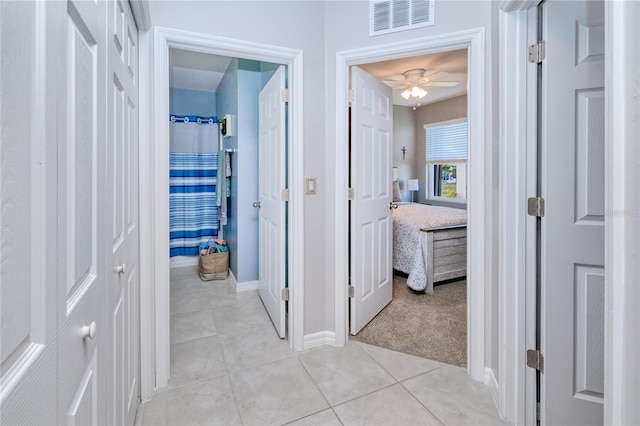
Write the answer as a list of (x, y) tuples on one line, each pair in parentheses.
[(154, 181), (474, 41)]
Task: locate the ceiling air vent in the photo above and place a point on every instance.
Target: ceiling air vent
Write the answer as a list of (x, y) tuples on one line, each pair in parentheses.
[(387, 16)]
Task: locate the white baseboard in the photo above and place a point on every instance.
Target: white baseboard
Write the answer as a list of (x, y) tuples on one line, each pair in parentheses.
[(318, 339), (490, 380), (244, 286), (180, 261)]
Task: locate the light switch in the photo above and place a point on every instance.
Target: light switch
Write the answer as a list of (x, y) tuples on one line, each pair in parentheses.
[(311, 185)]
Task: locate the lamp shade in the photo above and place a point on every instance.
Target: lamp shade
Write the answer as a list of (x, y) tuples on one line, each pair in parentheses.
[(412, 184)]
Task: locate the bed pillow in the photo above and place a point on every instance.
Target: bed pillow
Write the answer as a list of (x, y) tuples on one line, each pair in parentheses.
[(396, 191)]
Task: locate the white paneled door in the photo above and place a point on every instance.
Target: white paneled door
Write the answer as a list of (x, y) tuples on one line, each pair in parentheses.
[(83, 328), (572, 238), (123, 280), (371, 224), (29, 302), (272, 181)]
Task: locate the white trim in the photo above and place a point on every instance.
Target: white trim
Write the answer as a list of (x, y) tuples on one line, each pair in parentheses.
[(492, 383), (517, 248), (318, 339), (243, 286), (181, 261), (155, 176), (622, 222), (246, 286), (474, 40), (146, 203), (141, 15)]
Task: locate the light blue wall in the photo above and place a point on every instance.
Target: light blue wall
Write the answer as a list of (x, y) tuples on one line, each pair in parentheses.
[(192, 102), (237, 94), (228, 104)]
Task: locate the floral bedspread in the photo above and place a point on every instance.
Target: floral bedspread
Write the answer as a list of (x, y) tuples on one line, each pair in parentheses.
[(408, 254)]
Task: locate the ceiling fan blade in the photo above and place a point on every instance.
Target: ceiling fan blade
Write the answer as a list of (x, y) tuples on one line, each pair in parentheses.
[(436, 75), (441, 83)]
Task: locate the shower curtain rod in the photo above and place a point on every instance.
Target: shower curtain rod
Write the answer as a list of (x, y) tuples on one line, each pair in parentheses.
[(193, 119)]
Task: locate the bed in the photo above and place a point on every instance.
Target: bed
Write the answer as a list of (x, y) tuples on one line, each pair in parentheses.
[(429, 244)]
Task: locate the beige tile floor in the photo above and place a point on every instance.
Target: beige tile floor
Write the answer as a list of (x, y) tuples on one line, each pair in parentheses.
[(229, 367)]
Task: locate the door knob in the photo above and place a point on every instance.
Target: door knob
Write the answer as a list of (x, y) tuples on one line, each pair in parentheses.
[(89, 330), (256, 205), (393, 205), (121, 269)]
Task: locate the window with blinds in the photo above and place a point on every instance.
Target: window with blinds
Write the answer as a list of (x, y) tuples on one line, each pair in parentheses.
[(446, 160), (447, 142)]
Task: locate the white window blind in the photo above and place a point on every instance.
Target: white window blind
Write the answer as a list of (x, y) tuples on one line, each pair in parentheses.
[(447, 142)]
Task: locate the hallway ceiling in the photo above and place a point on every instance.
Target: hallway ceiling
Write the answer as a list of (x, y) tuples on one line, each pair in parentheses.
[(454, 62)]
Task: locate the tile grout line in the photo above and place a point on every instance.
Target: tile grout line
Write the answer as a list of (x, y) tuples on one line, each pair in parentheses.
[(401, 384), (304, 367), (416, 398), (226, 366)]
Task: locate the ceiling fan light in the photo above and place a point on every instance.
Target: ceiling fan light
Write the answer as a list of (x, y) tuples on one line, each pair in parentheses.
[(422, 93), (415, 91), (406, 94)]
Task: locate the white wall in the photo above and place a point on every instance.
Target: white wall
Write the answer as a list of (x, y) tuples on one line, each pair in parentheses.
[(346, 28), (320, 30), (297, 25)]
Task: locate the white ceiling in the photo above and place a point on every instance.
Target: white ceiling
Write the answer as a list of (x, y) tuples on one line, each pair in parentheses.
[(453, 62), (202, 71), (195, 70)]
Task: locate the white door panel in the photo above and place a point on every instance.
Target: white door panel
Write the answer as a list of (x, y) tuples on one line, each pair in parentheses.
[(272, 180), (572, 267), (81, 268), (371, 224), (122, 198), (28, 201)]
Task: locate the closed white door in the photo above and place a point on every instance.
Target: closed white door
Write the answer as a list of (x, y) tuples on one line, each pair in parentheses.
[(272, 174), (29, 250), (371, 224), (82, 275), (572, 238), (123, 289)]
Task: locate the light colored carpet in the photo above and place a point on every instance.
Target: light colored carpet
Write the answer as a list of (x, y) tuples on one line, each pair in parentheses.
[(432, 326)]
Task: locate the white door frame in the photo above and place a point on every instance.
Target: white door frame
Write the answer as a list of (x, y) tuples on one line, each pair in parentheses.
[(474, 41), (518, 110), (154, 187)]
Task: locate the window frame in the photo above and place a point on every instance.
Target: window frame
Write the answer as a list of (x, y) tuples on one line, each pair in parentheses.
[(429, 165)]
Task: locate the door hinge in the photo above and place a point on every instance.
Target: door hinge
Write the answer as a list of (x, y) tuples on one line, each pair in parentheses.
[(351, 194), (535, 360), (285, 294), (535, 206), (352, 97), (285, 194), (352, 290), (284, 95), (536, 52)]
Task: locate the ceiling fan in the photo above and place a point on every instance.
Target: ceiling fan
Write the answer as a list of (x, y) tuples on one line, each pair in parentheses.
[(414, 81)]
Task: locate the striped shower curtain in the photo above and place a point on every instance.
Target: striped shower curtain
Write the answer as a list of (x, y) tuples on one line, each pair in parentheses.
[(193, 164)]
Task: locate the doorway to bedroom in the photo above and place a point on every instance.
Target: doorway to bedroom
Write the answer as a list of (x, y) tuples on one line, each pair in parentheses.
[(408, 217)]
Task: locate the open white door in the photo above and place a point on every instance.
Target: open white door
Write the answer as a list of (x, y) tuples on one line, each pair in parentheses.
[(572, 233), (272, 175), (371, 224)]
